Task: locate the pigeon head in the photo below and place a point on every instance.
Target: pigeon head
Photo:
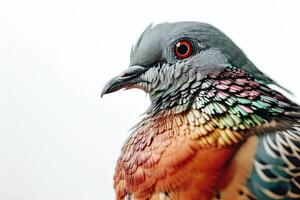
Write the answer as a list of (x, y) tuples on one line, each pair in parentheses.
[(170, 55)]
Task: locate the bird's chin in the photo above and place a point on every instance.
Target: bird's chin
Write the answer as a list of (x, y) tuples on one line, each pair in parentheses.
[(146, 87)]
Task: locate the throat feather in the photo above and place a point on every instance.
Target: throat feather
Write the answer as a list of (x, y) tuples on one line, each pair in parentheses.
[(231, 99)]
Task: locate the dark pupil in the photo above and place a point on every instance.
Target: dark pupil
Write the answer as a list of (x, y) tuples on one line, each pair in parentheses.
[(182, 49)]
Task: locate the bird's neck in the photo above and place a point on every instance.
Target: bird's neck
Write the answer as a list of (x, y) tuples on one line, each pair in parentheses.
[(229, 100)]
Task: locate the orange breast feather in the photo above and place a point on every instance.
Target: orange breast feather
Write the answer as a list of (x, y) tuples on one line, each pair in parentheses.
[(163, 155)]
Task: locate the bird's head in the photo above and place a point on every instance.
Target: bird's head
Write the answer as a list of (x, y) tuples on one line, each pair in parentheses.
[(169, 56)]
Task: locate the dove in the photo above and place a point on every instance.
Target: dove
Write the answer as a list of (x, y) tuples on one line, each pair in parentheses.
[(215, 128)]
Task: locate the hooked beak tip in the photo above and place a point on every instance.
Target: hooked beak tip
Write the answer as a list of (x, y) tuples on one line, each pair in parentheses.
[(102, 94), (109, 87)]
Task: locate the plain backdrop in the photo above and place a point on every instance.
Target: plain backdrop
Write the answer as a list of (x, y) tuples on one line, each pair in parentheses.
[(58, 139)]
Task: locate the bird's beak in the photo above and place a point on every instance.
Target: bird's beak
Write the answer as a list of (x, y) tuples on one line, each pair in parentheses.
[(126, 79)]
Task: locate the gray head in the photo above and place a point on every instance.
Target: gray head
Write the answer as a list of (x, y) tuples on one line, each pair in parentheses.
[(169, 55)]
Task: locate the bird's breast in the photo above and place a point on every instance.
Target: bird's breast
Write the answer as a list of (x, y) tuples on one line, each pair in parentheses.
[(162, 156)]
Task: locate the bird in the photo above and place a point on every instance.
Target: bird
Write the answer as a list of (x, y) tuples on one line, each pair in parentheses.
[(217, 127)]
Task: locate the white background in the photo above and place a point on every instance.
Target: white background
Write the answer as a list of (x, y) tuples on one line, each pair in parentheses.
[(58, 139)]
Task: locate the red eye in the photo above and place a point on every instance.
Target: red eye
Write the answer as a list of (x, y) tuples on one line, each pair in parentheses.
[(183, 49)]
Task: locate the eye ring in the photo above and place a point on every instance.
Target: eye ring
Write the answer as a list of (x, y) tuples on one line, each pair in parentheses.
[(183, 49)]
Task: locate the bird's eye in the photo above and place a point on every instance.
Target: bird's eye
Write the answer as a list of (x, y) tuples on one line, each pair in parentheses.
[(183, 49)]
